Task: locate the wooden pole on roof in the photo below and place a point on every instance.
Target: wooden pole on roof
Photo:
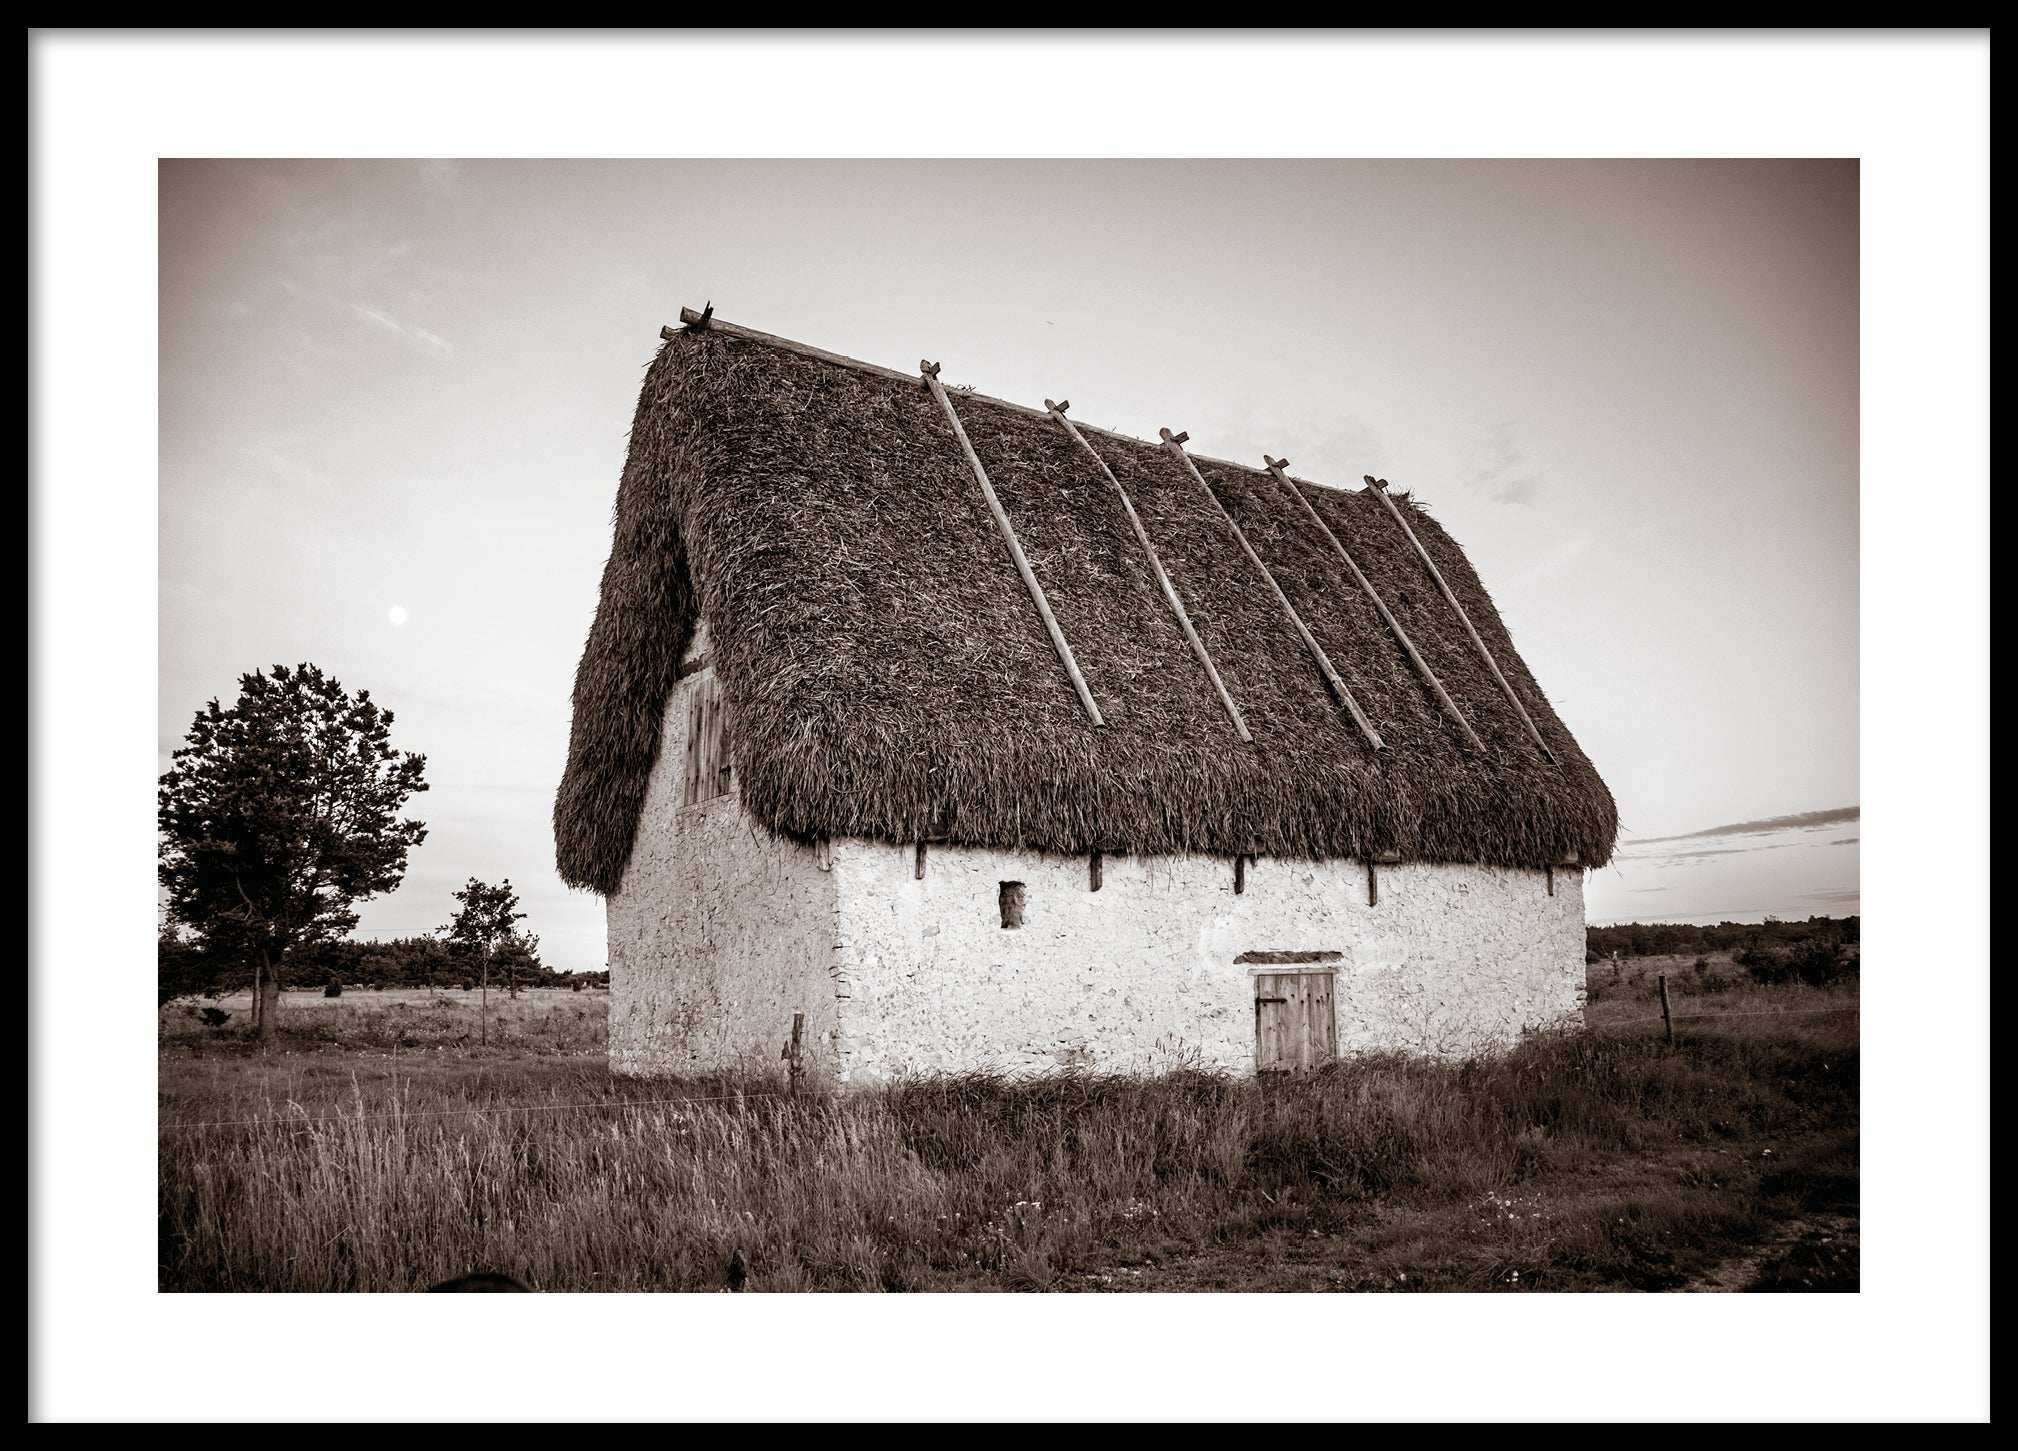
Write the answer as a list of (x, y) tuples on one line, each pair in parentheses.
[(1276, 466), (1173, 443), (1057, 411), (1058, 642), (706, 321), (1379, 487)]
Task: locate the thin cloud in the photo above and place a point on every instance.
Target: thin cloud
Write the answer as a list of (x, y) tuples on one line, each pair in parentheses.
[(1561, 557), (1501, 472), (1661, 523), (1799, 821), (433, 344), (1668, 858), (1839, 894), (289, 470)]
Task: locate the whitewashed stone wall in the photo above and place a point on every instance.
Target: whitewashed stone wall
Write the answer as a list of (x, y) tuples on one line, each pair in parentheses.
[(720, 932), (1140, 975)]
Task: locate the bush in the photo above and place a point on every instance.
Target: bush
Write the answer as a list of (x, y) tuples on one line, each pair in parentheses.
[(334, 989), (1817, 964), (185, 968)]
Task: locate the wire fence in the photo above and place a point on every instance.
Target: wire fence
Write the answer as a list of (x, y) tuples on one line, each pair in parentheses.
[(1713, 1017)]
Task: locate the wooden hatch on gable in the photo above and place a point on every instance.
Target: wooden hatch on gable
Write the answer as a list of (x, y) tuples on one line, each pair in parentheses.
[(708, 739)]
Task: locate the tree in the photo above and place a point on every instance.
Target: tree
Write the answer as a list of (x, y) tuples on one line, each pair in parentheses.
[(483, 927), (519, 957), (278, 815), (182, 967)]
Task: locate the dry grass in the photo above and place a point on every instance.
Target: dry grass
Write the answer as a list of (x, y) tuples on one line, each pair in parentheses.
[(1628, 994), (388, 1153), (417, 1020)]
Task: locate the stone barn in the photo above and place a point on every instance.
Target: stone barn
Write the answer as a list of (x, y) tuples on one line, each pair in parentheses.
[(976, 737)]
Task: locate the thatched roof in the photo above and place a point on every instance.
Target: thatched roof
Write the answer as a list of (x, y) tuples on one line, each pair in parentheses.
[(890, 677)]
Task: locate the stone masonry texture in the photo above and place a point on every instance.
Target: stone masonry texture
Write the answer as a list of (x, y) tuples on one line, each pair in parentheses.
[(721, 931)]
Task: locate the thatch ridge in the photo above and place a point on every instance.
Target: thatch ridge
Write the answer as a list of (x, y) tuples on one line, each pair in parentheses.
[(891, 680)]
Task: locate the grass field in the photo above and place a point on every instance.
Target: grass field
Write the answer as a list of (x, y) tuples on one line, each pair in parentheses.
[(378, 1147)]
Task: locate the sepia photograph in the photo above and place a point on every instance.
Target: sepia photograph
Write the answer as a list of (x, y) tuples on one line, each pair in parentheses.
[(1279, 724)]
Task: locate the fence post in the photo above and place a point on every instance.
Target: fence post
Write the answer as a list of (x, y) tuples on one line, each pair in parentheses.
[(792, 1065), (1667, 1019)]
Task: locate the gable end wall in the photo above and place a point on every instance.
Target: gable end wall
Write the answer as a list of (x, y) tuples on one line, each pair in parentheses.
[(719, 933)]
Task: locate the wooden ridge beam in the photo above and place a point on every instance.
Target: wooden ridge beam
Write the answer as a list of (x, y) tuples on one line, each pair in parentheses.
[(705, 321)]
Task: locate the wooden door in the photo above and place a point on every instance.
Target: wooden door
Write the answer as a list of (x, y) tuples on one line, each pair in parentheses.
[(1294, 1024)]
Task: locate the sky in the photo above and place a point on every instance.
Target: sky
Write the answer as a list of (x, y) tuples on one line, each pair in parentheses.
[(394, 398)]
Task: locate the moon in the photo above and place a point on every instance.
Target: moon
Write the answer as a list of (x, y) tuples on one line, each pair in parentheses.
[(397, 614)]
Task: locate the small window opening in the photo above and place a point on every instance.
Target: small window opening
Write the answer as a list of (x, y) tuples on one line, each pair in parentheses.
[(1012, 904)]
